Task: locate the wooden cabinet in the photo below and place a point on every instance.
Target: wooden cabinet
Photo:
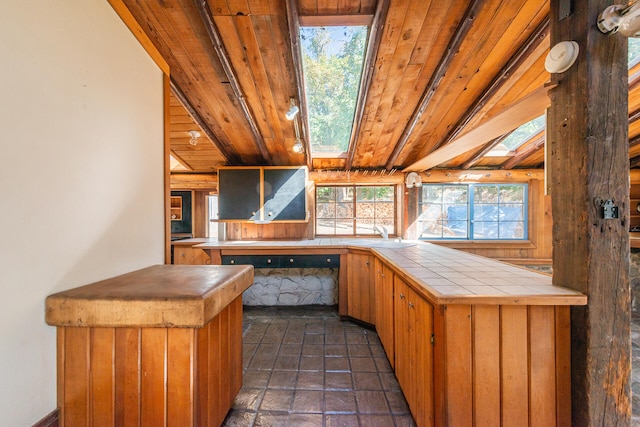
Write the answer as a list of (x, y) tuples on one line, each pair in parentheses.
[(190, 256), (360, 284), (414, 367), (262, 194), (384, 308), (176, 208)]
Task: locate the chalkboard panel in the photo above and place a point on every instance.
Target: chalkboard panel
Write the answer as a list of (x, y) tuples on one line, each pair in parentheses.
[(239, 194), (285, 194)]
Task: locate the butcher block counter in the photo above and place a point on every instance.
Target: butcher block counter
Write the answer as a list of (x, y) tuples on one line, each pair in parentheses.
[(472, 341), (158, 346)]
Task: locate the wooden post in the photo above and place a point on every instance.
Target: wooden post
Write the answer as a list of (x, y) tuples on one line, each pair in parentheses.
[(588, 163)]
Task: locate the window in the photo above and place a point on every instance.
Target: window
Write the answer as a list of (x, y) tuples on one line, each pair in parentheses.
[(354, 210), (332, 61), (214, 225), (518, 137), (473, 211)]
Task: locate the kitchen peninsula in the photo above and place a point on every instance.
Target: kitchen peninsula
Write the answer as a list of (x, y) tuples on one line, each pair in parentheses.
[(470, 339), (158, 346)]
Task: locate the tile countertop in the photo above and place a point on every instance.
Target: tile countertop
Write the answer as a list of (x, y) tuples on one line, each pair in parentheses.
[(440, 274)]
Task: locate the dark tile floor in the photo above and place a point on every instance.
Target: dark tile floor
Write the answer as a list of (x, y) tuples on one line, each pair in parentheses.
[(306, 367)]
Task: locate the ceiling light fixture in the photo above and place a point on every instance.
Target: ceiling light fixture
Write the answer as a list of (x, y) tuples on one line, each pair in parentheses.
[(413, 180), (194, 137), (293, 110)]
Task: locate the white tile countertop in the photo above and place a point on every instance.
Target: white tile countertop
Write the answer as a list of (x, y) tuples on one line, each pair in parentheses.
[(441, 274)]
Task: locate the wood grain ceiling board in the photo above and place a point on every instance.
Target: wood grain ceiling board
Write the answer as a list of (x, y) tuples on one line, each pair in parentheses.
[(497, 32), (258, 48), (177, 31), (415, 32), (205, 156)]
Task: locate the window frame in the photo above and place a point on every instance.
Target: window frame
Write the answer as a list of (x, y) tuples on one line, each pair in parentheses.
[(471, 208), (392, 230)]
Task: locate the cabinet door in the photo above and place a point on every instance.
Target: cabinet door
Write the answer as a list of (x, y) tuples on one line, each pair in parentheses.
[(384, 308), (361, 295), (285, 194), (413, 317), (421, 316), (239, 194), (401, 332)]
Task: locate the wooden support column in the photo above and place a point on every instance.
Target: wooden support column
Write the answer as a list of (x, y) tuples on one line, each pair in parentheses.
[(587, 133)]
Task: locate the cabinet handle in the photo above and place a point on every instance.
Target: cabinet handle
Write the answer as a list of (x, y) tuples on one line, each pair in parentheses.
[(329, 260), (268, 260), (410, 305), (291, 260), (401, 296), (233, 261), (367, 263)]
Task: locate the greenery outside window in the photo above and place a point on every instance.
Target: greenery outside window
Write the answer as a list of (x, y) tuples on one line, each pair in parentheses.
[(354, 210), (473, 211)]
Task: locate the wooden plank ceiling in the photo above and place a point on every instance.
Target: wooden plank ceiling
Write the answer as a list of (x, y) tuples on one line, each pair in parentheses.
[(445, 81)]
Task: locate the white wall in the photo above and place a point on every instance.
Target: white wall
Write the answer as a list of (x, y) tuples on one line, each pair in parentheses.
[(81, 176)]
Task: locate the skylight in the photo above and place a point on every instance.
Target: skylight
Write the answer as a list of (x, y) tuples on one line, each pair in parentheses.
[(332, 61), (518, 137)]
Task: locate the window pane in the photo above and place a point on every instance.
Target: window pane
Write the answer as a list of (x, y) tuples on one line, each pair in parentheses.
[(485, 194), (326, 210), (344, 210), (485, 212), (364, 226), (326, 194), (431, 229), (511, 193), (454, 194), (456, 229), (384, 210), (384, 194), (344, 226), (325, 226), (344, 194), (365, 194), (511, 212), (431, 194), (365, 210), (485, 230), (431, 212), (512, 230)]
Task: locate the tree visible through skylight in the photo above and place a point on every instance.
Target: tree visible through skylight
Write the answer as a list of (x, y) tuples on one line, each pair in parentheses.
[(332, 59)]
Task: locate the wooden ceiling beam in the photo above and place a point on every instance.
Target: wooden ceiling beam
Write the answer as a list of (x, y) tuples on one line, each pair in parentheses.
[(182, 161), (227, 151), (373, 44), (536, 143), (483, 152), (454, 44), (336, 20), (296, 56), (529, 46), (218, 46), (526, 109)]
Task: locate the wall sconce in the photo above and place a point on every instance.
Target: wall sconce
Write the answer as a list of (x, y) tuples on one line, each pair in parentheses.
[(194, 137), (413, 180)]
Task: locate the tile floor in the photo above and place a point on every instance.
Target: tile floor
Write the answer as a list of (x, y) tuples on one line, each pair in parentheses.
[(305, 367)]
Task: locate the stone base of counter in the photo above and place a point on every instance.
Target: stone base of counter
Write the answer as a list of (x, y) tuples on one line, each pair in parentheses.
[(293, 286), (150, 376)]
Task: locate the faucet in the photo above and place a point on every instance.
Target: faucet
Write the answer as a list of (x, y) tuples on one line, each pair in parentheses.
[(382, 230)]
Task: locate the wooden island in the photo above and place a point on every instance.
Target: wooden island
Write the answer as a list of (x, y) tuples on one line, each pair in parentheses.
[(159, 346)]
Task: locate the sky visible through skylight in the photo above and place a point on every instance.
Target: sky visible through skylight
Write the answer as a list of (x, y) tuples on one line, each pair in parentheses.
[(332, 59)]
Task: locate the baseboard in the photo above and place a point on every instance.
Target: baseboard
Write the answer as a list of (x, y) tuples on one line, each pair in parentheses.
[(51, 420)]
